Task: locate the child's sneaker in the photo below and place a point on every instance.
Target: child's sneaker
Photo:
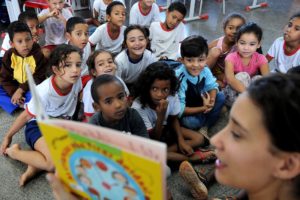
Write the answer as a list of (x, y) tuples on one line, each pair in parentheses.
[(195, 179)]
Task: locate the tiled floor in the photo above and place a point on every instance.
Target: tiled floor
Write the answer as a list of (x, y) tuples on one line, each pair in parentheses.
[(272, 19)]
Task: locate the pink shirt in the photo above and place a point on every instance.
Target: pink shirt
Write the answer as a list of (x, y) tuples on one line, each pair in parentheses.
[(257, 60)]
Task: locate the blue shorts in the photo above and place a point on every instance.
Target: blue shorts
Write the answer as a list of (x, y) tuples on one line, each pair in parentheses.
[(32, 133)]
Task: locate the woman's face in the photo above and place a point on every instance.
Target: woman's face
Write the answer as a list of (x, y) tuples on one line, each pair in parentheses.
[(243, 149)]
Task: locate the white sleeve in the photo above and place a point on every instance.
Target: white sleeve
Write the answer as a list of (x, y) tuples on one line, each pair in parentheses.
[(143, 113), (175, 106), (96, 36), (5, 45), (133, 15), (87, 100), (273, 49), (67, 14)]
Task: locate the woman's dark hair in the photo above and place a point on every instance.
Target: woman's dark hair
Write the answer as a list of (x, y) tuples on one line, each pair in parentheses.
[(157, 70), (60, 54), (91, 60), (250, 27), (111, 6), (278, 98), (231, 16), (296, 15), (144, 30)]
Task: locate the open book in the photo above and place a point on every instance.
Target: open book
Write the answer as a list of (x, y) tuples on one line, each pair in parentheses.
[(100, 163)]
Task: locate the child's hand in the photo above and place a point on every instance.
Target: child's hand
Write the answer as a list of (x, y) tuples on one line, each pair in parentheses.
[(185, 149), (210, 106), (161, 108), (54, 13), (17, 97), (59, 190), (206, 98), (5, 143)]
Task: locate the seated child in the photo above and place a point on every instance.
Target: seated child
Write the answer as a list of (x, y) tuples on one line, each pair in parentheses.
[(109, 36), (14, 89), (54, 19), (159, 106), (165, 37), (200, 100), (77, 35), (28, 17), (100, 62), (221, 47), (144, 12), (59, 95), (110, 102), (99, 11), (242, 66), (134, 59), (285, 50)]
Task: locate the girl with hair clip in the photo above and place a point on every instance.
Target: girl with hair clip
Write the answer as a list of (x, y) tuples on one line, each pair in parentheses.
[(59, 95), (222, 46), (135, 57), (242, 66), (159, 106)]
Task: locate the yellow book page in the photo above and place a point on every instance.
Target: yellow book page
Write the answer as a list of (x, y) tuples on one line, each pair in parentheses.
[(95, 170)]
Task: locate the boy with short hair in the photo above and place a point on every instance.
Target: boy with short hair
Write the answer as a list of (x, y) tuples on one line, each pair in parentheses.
[(144, 12), (112, 111), (77, 35), (201, 102), (29, 18), (165, 37), (14, 89)]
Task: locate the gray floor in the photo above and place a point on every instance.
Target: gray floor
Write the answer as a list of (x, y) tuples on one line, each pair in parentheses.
[(272, 19)]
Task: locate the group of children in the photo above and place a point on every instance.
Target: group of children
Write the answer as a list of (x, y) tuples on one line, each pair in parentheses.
[(127, 83)]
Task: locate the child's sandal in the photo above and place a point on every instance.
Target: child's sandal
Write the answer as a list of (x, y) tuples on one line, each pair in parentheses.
[(206, 155)]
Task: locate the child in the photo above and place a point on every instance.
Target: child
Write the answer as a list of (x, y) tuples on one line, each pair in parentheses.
[(109, 36), (245, 63), (100, 62), (285, 50), (144, 12), (29, 18), (198, 93), (221, 47), (110, 102), (135, 58), (14, 90), (159, 107), (54, 18), (77, 35), (99, 11), (59, 94), (165, 37)]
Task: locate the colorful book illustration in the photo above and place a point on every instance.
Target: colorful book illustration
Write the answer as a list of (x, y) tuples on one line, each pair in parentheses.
[(100, 163)]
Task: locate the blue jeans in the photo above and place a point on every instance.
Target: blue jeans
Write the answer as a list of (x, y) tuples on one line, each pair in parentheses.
[(197, 121)]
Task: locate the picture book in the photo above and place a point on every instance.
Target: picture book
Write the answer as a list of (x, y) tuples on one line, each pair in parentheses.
[(101, 163)]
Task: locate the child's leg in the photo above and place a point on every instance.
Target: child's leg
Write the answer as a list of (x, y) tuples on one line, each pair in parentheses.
[(5, 102), (193, 122), (28, 174)]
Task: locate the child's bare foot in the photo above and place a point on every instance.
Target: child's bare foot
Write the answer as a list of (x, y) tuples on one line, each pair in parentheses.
[(12, 150), (28, 174)]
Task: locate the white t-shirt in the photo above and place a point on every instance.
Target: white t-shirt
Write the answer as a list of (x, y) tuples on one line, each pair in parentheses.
[(283, 62), (5, 45), (55, 28), (137, 17), (100, 7), (103, 40), (149, 115), (55, 103), (87, 99), (129, 71), (166, 42)]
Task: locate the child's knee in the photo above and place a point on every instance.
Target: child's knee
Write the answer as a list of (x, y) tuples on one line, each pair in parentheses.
[(49, 166)]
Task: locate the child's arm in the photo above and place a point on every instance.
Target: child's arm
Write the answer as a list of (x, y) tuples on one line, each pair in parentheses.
[(21, 120), (44, 17), (183, 147), (201, 109), (161, 109), (213, 54), (17, 97), (264, 69), (230, 78)]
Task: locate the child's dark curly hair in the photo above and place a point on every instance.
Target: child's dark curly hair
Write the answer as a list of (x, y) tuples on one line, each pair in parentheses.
[(60, 54), (157, 70)]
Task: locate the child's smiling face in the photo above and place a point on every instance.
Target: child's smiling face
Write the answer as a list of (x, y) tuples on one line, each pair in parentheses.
[(104, 64)]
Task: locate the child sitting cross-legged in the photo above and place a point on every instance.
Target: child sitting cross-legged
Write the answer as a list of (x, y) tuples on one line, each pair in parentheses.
[(59, 95), (159, 107), (110, 103), (14, 90), (200, 100)]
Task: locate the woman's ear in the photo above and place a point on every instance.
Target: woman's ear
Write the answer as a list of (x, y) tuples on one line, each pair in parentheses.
[(288, 166)]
